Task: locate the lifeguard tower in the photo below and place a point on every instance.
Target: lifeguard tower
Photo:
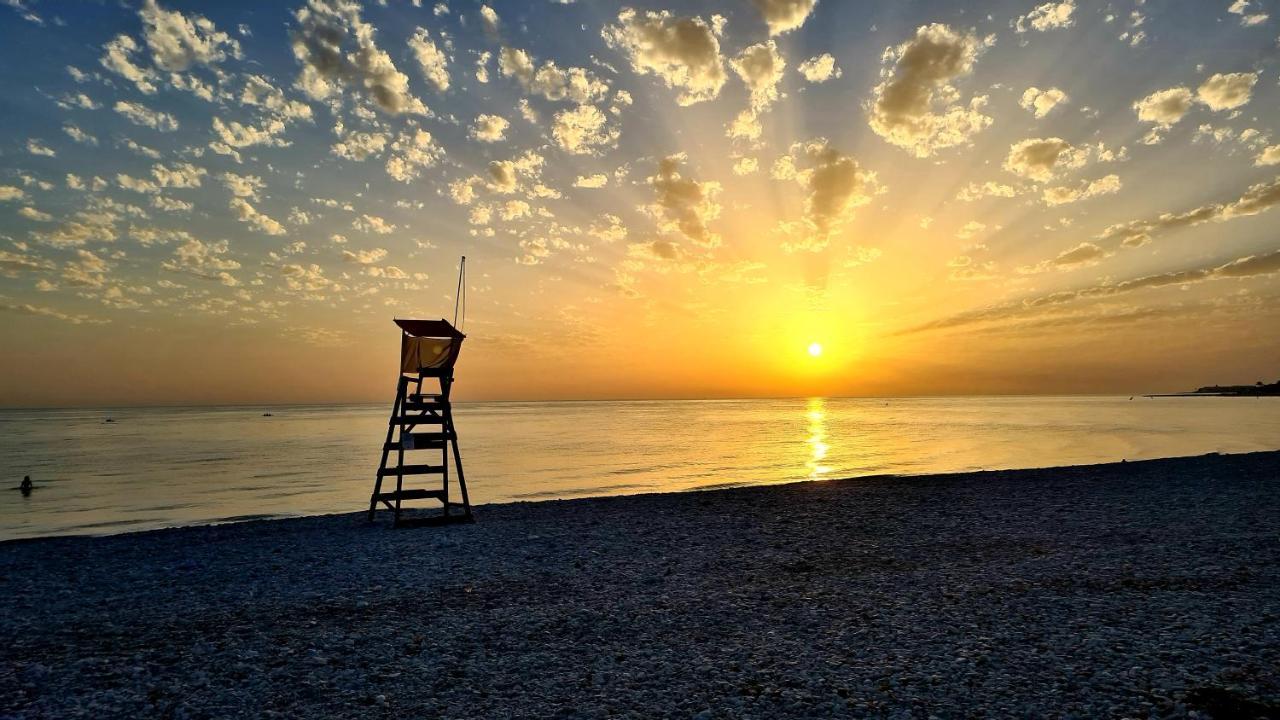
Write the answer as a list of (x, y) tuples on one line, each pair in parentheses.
[(428, 351)]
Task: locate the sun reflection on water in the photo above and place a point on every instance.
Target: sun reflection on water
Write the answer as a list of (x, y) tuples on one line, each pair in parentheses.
[(816, 412)]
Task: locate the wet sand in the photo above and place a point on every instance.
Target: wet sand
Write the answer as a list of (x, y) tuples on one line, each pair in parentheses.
[(1146, 589)]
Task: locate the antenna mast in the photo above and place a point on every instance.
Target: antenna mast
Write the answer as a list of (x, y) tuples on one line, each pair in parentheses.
[(460, 296)]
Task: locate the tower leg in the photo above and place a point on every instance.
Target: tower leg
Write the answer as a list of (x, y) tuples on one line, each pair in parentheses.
[(391, 429)]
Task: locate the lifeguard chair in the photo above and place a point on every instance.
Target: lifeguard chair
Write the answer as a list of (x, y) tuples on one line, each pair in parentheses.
[(428, 350)]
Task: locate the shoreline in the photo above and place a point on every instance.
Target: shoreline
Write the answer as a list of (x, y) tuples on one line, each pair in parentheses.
[(1146, 588), (965, 475)]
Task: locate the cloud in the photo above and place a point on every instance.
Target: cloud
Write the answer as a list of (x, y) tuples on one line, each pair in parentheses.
[(1049, 16), (323, 28), (834, 187), (745, 166), (36, 147), (139, 114), (760, 67), (784, 15), (373, 224), (976, 191), (432, 62), (1107, 185), (177, 41), (243, 186), (683, 204), (118, 58), (598, 180), (684, 52), (246, 213), (206, 261), (820, 69), (1269, 156), (582, 130), (1245, 267), (1247, 18), (80, 136), (178, 175), (364, 257), (916, 107), (42, 311), (1227, 92), (1164, 107), (489, 20), (489, 128), (10, 193), (31, 213), (551, 81), (360, 146), (411, 152), (259, 92), (1257, 199), (1042, 102), (1041, 159)]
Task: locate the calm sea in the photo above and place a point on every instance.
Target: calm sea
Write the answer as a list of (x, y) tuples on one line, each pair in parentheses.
[(160, 467)]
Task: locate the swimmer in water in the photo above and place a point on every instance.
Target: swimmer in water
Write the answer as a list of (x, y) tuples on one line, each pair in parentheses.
[(26, 485)]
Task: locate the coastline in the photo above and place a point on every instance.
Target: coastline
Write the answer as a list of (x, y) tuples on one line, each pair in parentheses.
[(1131, 589)]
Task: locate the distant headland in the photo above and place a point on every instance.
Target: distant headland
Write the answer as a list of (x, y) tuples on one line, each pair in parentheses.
[(1258, 389)]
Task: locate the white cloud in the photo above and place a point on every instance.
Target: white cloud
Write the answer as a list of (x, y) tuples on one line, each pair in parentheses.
[(550, 80), (582, 130), (745, 166), (177, 41), (360, 146), (31, 213), (1042, 102), (80, 136), (598, 180), (1227, 91), (834, 185), (36, 147), (1107, 185), (683, 204), (1269, 156), (324, 29), (489, 19), (916, 107), (364, 257), (820, 69), (373, 224), (760, 67), (118, 58), (431, 60), (1048, 16), (207, 261), (247, 213), (1247, 17), (10, 193), (411, 152), (139, 114), (1041, 159), (683, 52), (1164, 107), (976, 191), (489, 128), (178, 175), (243, 186), (784, 15)]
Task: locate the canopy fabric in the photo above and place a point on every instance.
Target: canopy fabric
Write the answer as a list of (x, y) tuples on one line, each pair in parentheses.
[(429, 328), (426, 353)]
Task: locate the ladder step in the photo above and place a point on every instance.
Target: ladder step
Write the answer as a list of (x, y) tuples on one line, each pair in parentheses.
[(424, 396), (416, 420), (419, 441), (410, 495), (412, 470), (412, 406)]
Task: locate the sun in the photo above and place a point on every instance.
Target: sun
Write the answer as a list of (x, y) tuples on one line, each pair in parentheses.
[(815, 349)]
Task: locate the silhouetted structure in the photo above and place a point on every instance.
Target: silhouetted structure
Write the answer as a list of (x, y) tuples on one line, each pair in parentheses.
[(428, 350)]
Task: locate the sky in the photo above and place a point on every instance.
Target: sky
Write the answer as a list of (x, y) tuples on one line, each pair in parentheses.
[(229, 202)]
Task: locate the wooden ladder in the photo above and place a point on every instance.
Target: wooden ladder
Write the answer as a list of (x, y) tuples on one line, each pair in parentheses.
[(414, 408)]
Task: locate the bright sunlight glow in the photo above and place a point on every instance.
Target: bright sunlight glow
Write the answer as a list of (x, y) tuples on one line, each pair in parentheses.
[(815, 349)]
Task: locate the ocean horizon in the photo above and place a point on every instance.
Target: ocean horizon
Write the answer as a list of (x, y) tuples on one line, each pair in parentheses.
[(155, 467)]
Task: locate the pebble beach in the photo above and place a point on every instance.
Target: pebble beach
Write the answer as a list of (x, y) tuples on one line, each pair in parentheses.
[(1146, 590)]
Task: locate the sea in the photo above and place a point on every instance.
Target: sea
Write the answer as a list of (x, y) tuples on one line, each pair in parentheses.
[(161, 467)]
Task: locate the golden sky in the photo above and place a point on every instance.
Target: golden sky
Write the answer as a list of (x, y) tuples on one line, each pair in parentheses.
[(227, 204)]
